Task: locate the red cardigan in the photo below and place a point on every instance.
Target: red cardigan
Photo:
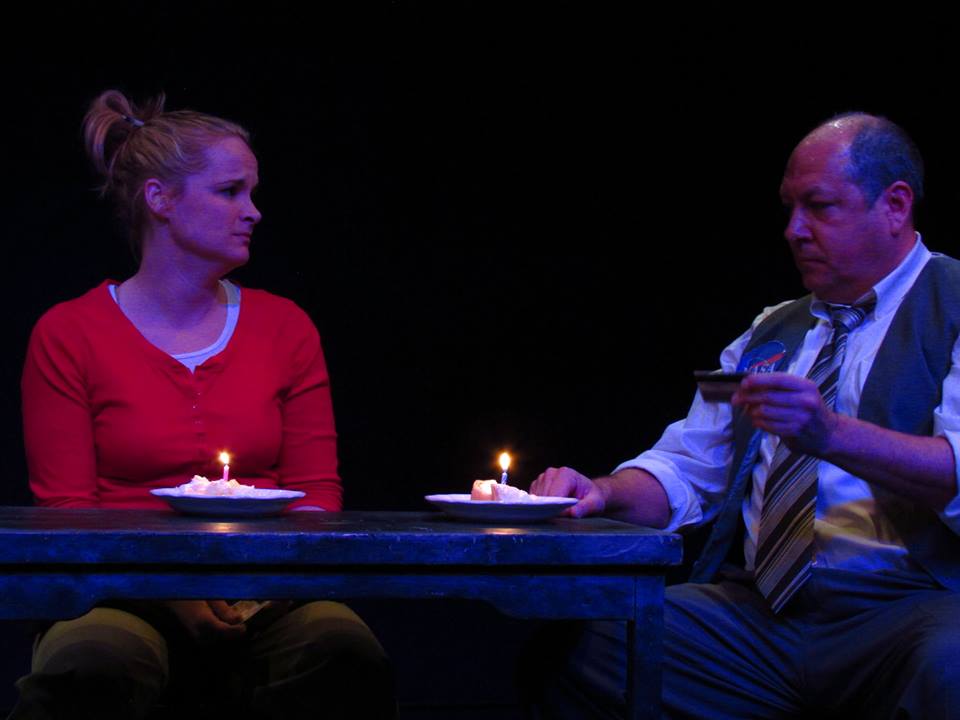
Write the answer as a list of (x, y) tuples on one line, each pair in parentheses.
[(107, 416)]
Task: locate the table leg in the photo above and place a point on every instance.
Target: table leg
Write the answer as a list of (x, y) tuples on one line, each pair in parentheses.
[(645, 650)]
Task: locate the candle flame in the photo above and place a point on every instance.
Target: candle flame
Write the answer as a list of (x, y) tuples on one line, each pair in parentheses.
[(505, 461), (225, 458)]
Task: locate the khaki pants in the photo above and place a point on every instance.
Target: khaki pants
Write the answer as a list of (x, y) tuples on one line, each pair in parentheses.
[(317, 661)]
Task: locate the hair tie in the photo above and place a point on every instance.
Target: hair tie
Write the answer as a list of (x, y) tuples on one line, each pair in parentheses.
[(133, 121)]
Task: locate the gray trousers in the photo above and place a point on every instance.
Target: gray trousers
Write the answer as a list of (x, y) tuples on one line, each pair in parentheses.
[(850, 645), (317, 661)]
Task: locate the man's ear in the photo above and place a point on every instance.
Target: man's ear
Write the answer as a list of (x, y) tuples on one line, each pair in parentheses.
[(158, 196), (898, 201)]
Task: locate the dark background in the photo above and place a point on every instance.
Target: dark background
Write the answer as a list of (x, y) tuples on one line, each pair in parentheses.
[(517, 226)]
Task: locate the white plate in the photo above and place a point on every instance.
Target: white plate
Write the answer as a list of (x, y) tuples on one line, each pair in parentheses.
[(263, 502), (461, 506)]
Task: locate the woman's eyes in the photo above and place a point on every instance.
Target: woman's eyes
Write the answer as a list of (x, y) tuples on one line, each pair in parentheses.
[(237, 189)]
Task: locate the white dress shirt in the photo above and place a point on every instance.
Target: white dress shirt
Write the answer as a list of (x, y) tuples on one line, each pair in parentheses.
[(691, 460)]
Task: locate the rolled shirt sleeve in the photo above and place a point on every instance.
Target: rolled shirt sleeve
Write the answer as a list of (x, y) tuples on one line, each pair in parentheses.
[(946, 424)]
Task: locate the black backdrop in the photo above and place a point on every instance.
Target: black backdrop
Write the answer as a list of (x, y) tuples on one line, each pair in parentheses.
[(516, 226)]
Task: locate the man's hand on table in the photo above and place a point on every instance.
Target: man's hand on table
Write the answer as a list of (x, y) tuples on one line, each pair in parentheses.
[(631, 494), (208, 621), (567, 482)]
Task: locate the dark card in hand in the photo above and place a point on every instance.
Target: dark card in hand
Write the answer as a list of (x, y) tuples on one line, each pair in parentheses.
[(717, 387)]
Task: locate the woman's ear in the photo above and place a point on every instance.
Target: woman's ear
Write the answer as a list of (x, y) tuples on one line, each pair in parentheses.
[(158, 196)]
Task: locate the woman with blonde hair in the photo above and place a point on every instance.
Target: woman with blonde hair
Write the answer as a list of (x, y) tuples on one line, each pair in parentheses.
[(139, 384)]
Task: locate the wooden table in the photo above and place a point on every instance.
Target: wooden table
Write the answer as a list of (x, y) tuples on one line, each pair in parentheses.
[(60, 563)]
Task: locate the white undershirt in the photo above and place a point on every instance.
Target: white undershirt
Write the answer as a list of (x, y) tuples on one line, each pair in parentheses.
[(197, 357)]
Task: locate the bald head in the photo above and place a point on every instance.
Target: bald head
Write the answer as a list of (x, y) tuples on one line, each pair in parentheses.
[(850, 205), (876, 153)]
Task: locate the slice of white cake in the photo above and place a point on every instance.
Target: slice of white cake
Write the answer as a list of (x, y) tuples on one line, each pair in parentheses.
[(199, 485), (491, 490)]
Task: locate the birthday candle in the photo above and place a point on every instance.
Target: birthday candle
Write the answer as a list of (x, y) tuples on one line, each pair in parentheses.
[(504, 465)]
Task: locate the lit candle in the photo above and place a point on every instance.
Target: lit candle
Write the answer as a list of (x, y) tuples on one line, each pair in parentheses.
[(504, 465), (225, 459)]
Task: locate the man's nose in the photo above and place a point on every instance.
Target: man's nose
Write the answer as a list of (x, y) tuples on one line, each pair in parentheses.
[(797, 226)]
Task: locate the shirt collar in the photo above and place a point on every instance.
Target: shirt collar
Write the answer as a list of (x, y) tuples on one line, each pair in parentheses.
[(891, 289)]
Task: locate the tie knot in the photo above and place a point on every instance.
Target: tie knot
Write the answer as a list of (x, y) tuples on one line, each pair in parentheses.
[(847, 317)]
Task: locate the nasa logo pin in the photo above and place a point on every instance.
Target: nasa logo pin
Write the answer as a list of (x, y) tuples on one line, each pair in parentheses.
[(765, 358)]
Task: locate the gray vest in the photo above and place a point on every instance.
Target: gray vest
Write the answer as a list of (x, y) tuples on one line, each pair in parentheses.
[(901, 392)]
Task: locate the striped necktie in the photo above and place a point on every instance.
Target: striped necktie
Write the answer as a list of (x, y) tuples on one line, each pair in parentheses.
[(785, 542)]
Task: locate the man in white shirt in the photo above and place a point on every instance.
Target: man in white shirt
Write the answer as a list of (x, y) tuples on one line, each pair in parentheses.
[(830, 580)]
